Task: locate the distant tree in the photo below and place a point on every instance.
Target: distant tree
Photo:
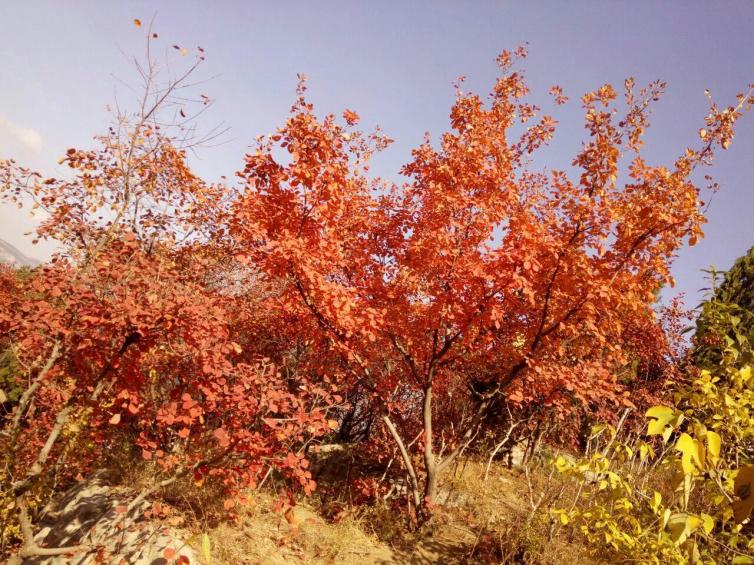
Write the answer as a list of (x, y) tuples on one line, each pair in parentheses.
[(726, 320)]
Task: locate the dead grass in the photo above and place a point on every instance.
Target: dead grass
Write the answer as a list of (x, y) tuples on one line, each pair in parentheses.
[(263, 536), (498, 510), (482, 522), (479, 521)]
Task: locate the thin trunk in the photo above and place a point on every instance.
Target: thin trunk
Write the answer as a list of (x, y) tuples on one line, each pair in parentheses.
[(499, 446), (413, 481), (430, 464), (28, 395), (468, 435)]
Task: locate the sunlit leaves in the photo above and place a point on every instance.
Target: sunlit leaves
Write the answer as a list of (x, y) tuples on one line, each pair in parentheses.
[(692, 453), (663, 421), (744, 490), (713, 447)]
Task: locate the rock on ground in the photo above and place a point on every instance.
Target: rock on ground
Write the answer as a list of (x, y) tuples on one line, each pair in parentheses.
[(85, 515)]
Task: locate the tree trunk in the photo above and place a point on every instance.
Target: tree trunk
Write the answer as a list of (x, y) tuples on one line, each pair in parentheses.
[(430, 464), (413, 480)]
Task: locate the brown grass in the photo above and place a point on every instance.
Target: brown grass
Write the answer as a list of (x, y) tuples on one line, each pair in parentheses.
[(263, 536), (483, 522), (480, 521)]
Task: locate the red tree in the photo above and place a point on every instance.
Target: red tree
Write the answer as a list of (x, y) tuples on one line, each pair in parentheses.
[(478, 279), (135, 335)]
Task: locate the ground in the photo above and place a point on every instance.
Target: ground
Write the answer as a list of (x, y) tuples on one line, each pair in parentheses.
[(482, 522)]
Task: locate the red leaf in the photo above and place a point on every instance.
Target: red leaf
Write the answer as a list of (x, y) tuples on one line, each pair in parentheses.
[(222, 437)]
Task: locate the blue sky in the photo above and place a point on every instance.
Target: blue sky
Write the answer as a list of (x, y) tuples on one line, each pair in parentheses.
[(393, 62)]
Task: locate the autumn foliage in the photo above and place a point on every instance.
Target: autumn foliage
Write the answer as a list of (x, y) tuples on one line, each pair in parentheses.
[(214, 331), (133, 338), (478, 279)]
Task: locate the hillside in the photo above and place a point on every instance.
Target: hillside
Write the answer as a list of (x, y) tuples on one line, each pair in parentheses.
[(11, 254)]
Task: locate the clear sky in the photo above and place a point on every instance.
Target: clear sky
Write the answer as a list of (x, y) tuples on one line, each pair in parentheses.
[(393, 62)]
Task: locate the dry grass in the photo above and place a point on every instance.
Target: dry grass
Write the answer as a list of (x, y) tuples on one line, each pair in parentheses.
[(480, 521), (499, 511), (263, 536)]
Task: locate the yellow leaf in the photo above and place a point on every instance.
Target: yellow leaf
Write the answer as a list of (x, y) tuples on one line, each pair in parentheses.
[(660, 412), (561, 464), (709, 523), (665, 518), (692, 453), (656, 501), (663, 420), (655, 427), (693, 523), (713, 447), (682, 525), (643, 451), (745, 373), (206, 549), (678, 528), (693, 552), (742, 487), (686, 490)]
